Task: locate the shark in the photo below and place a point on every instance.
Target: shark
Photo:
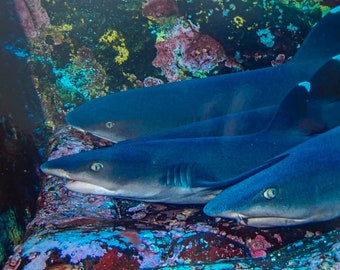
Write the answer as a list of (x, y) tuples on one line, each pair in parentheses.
[(301, 186), (195, 170), (240, 123), (130, 114)]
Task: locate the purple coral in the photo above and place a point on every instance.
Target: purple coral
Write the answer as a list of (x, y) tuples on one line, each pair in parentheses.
[(160, 8), (151, 81), (203, 53), (186, 50)]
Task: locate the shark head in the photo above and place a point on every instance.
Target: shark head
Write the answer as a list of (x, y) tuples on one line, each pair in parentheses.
[(104, 121), (299, 186), (265, 200), (100, 172)]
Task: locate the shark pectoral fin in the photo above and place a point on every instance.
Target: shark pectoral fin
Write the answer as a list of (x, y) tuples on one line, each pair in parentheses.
[(206, 183), (247, 174)]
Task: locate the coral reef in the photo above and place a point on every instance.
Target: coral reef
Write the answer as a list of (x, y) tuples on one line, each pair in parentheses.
[(194, 46), (79, 51), (184, 50), (117, 260), (82, 79), (280, 59), (117, 42), (151, 81), (266, 37), (158, 9), (208, 247)]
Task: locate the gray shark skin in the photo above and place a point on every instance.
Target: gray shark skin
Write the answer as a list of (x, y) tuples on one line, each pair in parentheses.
[(301, 188), (194, 170), (241, 123), (130, 114)]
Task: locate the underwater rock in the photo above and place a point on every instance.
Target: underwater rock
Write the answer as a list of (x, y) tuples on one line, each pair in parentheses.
[(32, 16), (89, 231), (117, 260)]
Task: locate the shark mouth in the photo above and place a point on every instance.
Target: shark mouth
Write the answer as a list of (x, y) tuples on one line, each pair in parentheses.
[(88, 188), (270, 221), (264, 221)]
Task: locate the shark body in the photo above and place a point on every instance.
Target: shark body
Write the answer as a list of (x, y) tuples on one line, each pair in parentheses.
[(194, 170), (302, 187), (130, 114), (240, 123)]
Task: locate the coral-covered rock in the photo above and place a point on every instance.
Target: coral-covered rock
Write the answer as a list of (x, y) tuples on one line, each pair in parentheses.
[(258, 246), (207, 247), (99, 232), (117, 260), (32, 16), (160, 8), (151, 81), (184, 52), (83, 79)]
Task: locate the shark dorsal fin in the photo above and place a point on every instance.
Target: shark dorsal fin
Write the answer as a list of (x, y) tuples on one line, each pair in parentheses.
[(292, 109), (305, 106)]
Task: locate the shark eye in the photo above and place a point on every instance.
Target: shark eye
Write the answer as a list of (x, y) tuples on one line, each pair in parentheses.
[(96, 167), (109, 124), (270, 193)]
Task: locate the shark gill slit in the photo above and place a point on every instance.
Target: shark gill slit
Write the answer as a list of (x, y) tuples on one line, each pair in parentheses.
[(179, 175)]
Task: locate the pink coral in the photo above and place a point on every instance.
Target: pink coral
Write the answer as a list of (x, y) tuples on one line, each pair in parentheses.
[(151, 81), (186, 50), (280, 59), (203, 53), (258, 246), (165, 59), (160, 8), (32, 16)]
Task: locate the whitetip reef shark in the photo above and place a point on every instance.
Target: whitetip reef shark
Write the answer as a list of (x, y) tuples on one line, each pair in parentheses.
[(130, 114), (240, 123), (194, 170), (303, 187)]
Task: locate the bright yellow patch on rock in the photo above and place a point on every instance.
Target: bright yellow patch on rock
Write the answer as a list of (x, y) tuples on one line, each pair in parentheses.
[(116, 40)]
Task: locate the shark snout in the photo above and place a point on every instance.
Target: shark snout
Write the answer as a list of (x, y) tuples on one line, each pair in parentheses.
[(52, 168), (45, 168)]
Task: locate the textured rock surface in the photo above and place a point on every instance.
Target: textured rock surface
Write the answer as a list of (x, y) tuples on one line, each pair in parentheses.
[(98, 232)]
